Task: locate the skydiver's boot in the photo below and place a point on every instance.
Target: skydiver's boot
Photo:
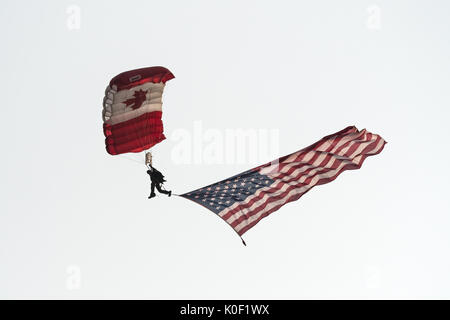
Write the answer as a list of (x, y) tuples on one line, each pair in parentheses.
[(152, 195)]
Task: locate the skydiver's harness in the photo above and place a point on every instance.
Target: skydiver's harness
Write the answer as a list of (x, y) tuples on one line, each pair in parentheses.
[(148, 163), (148, 159)]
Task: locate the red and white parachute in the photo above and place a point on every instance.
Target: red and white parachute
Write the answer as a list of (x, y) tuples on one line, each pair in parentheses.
[(132, 110)]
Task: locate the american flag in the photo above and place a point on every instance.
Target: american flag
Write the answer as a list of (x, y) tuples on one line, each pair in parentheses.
[(244, 199)]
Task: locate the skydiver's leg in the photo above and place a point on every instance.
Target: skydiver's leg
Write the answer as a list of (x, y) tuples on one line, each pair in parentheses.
[(152, 191), (158, 187)]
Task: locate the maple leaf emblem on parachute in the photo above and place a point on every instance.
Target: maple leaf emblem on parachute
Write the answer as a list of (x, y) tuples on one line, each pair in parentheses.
[(138, 99)]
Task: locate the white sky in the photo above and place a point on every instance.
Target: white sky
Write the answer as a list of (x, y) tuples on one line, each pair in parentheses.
[(76, 222)]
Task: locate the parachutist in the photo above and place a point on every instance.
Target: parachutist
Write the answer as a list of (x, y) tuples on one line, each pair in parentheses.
[(157, 179)]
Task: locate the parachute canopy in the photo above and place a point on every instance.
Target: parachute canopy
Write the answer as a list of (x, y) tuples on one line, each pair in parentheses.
[(132, 110)]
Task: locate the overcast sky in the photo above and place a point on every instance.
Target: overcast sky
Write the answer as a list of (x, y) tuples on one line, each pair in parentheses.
[(75, 222)]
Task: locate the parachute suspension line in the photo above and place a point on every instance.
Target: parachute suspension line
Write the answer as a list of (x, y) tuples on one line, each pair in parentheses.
[(123, 156)]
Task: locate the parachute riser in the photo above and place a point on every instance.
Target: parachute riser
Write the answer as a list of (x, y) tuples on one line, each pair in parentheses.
[(148, 159)]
